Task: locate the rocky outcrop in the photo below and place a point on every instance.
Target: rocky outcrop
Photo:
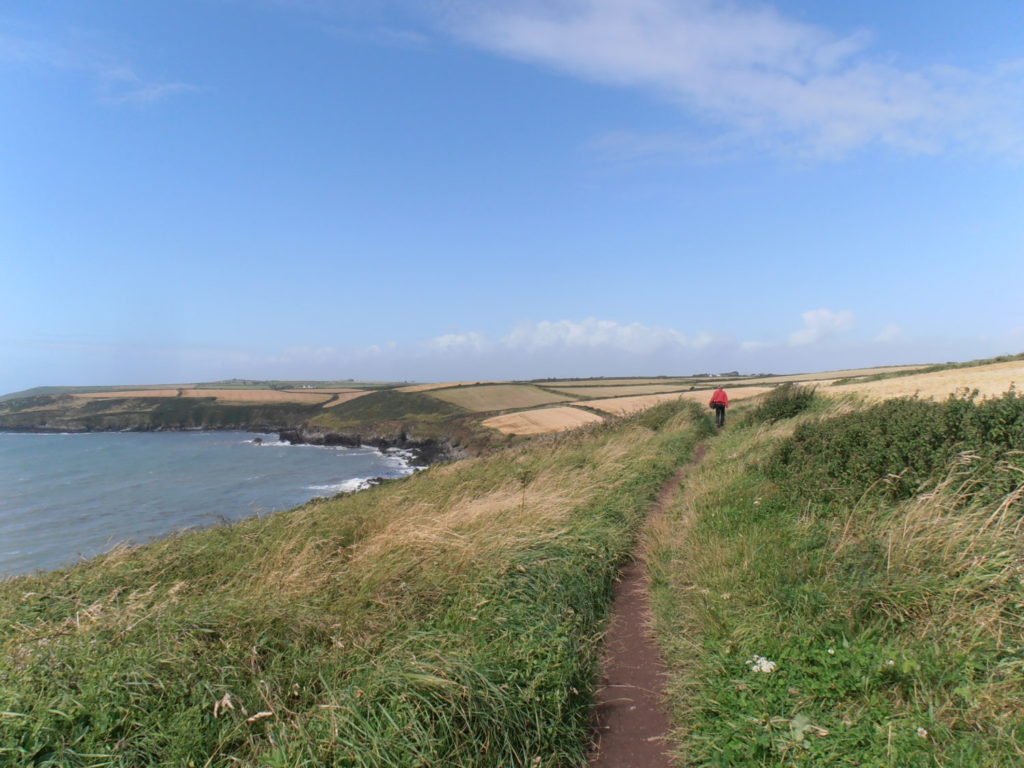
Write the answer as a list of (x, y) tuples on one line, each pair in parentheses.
[(427, 451)]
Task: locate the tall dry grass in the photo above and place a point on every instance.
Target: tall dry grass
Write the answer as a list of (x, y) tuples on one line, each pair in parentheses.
[(450, 618)]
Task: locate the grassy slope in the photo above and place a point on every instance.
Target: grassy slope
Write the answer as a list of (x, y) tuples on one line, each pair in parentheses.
[(54, 408), (70, 413), (450, 619), (386, 406), (890, 599)]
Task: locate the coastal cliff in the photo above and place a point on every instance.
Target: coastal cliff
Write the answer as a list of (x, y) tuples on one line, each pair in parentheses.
[(428, 450), (432, 430)]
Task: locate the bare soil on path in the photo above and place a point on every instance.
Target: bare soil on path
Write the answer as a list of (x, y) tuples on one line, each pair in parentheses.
[(630, 723)]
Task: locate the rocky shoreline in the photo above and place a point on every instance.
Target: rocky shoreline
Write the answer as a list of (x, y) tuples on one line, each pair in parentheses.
[(426, 452)]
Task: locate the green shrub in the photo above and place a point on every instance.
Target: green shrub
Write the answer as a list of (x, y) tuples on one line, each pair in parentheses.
[(845, 633), (893, 448), (783, 402)]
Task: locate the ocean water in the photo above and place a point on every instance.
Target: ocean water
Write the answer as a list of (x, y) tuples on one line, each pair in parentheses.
[(68, 496)]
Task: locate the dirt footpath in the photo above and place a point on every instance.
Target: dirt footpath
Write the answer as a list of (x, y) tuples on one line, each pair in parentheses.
[(631, 726)]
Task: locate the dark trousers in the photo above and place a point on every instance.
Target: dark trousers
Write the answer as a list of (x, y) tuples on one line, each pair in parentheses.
[(719, 415)]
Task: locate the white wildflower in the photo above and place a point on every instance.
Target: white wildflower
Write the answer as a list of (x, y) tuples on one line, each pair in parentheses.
[(761, 664), (831, 651), (922, 733)]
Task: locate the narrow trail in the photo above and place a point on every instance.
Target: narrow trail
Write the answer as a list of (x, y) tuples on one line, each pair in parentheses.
[(631, 726)]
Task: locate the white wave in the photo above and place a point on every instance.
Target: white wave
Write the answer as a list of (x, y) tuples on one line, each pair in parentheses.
[(348, 486)]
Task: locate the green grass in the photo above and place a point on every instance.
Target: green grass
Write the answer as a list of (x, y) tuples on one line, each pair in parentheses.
[(895, 621), (449, 619), (388, 405), (153, 413), (784, 402)]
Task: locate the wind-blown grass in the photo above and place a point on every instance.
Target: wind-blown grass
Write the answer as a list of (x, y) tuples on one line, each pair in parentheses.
[(448, 619), (893, 623)]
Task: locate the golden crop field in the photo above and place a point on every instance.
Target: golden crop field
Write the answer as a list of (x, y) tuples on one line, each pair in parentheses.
[(824, 376), (324, 391), (989, 380), (440, 385), (498, 397), (623, 406), (638, 389), (124, 393), (257, 396), (564, 383), (541, 420), (346, 397)]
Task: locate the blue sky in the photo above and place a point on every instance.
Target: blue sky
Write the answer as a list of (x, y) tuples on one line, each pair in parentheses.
[(429, 190)]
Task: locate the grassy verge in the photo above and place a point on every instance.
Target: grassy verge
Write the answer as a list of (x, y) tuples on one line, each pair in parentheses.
[(449, 619), (845, 588)]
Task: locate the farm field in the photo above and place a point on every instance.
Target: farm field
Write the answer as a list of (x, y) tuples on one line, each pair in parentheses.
[(440, 385), (624, 406), (623, 391), (257, 396), (305, 397), (542, 420), (993, 379), (346, 397), (829, 375), (322, 390), (498, 397), (126, 393), (563, 383)]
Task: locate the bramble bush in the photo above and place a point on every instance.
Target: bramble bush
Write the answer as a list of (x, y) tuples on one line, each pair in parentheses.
[(895, 448), (783, 402)]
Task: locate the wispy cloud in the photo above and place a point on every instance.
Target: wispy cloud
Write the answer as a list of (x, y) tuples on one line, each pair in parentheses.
[(592, 333), (750, 71), (891, 333), (115, 81), (457, 343), (821, 324)]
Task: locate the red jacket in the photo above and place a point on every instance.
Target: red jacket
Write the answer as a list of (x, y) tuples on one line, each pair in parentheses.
[(719, 398)]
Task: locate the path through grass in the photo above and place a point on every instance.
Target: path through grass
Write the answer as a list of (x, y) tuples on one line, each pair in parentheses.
[(449, 619)]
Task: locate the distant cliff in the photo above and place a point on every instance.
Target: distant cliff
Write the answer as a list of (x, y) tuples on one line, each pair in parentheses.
[(67, 413), (434, 430)]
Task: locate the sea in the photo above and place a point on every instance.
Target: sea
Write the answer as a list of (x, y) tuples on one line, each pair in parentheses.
[(65, 497)]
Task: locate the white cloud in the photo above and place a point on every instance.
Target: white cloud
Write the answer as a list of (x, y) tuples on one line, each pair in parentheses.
[(753, 71), (890, 333), (593, 334), (820, 324), (472, 341)]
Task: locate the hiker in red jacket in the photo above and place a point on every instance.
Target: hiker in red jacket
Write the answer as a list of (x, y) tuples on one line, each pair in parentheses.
[(719, 401)]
